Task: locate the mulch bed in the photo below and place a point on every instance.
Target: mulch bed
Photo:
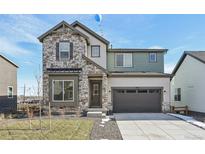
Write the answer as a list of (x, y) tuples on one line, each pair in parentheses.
[(110, 131), (198, 116)]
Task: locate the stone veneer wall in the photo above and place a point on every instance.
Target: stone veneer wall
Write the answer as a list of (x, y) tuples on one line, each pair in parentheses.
[(89, 69), (79, 48)]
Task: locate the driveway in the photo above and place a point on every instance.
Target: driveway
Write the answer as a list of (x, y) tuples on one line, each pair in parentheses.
[(156, 126)]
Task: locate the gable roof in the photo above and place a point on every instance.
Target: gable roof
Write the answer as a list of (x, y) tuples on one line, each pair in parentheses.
[(77, 23), (136, 50), (199, 55), (63, 23), (92, 62), (9, 61)]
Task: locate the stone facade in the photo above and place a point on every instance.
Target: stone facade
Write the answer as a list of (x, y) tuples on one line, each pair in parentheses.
[(79, 48), (88, 69)]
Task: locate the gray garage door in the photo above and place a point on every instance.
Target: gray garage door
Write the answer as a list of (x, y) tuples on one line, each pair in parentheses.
[(136, 100)]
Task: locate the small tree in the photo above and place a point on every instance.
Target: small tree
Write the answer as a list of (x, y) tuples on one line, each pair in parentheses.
[(38, 78)]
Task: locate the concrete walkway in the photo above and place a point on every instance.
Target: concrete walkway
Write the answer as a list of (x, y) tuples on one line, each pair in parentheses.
[(156, 126)]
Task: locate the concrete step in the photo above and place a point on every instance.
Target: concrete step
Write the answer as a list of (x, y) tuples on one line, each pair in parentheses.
[(94, 114), (96, 109)]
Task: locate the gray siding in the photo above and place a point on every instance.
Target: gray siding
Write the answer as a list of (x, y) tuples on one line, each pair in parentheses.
[(8, 77), (8, 104), (140, 63)]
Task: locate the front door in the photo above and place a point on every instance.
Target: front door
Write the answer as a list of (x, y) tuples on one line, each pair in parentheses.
[(95, 93)]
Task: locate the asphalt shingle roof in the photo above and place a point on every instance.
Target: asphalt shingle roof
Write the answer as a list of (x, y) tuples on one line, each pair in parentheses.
[(199, 55)]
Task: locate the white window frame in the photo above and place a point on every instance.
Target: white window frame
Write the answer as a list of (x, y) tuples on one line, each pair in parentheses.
[(8, 91), (124, 66), (153, 53), (64, 51), (63, 91)]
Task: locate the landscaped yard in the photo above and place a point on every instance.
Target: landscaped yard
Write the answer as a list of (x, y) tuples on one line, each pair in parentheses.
[(61, 129)]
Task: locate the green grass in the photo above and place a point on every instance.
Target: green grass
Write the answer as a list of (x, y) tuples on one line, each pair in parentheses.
[(61, 129)]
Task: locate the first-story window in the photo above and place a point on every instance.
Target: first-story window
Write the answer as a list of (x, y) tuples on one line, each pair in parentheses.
[(10, 92), (63, 90), (177, 96)]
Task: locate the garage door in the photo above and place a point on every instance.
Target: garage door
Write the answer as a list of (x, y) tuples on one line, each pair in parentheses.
[(136, 100)]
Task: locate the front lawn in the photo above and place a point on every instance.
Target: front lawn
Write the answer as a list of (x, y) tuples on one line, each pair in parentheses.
[(61, 129)]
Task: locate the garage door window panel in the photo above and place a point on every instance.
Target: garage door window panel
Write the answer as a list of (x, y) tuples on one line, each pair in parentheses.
[(120, 91), (154, 91), (131, 91), (142, 91)]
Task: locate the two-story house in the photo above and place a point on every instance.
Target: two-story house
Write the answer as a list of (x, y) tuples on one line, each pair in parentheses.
[(79, 70), (8, 85)]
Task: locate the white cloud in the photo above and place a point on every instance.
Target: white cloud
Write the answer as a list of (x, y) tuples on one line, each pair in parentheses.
[(19, 28), (168, 68), (176, 50), (22, 28), (28, 63), (156, 47), (10, 47), (173, 54)]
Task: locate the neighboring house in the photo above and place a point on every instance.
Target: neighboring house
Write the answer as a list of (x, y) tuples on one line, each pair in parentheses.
[(8, 85), (79, 70), (188, 82)]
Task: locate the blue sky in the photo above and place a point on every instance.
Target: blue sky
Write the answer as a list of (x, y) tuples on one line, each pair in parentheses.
[(178, 33)]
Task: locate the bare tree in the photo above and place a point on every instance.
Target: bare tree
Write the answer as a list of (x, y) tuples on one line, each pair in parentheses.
[(27, 106), (38, 78), (49, 107)]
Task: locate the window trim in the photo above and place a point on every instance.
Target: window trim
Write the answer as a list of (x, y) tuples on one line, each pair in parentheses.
[(8, 91), (123, 60), (155, 58), (64, 51), (92, 51), (63, 91)]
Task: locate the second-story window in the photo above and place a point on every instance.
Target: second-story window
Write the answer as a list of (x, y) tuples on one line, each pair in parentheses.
[(64, 50), (123, 59), (95, 51), (152, 57)]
